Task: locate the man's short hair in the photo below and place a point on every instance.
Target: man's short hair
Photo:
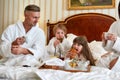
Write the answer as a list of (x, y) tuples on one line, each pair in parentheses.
[(32, 7)]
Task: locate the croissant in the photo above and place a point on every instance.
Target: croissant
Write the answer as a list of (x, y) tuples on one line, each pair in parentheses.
[(73, 53)]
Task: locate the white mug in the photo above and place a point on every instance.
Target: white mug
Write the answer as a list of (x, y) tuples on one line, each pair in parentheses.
[(106, 35)]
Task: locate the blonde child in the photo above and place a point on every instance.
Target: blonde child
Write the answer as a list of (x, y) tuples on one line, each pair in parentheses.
[(58, 45)]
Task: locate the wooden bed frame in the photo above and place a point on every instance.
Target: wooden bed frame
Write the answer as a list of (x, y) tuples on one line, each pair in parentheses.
[(92, 25)]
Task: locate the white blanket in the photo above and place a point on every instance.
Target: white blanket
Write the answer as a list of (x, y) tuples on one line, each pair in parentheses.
[(96, 73), (18, 73), (22, 60), (29, 73), (32, 73)]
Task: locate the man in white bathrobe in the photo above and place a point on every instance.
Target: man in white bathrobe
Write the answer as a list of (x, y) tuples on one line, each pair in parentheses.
[(23, 43)]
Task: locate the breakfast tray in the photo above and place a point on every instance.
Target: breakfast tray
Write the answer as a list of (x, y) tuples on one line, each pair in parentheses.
[(62, 68)]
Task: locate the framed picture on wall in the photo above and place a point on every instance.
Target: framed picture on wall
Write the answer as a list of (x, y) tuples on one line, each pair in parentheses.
[(90, 4)]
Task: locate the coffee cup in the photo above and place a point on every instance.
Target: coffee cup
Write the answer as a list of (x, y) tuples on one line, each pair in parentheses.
[(106, 34)]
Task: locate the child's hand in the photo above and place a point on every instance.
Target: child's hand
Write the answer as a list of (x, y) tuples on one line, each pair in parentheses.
[(67, 55), (72, 53), (56, 43)]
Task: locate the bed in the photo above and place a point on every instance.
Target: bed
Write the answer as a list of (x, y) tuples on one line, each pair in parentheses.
[(89, 24)]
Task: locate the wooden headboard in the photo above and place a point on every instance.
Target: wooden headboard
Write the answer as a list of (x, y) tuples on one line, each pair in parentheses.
[(92, 25)]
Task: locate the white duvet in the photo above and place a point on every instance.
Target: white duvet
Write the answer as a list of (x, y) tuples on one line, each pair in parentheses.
[(32, 73), (96, 73), (23, 73)]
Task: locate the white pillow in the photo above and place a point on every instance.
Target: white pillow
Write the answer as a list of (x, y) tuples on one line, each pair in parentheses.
[(71, 37), (97, 49)]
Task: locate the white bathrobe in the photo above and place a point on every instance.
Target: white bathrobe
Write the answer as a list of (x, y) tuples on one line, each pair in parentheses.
[(61, 48), (112, 46), (115, 29), (35, 42)]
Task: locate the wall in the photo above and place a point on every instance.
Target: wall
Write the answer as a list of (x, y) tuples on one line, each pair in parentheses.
[(12, 10)]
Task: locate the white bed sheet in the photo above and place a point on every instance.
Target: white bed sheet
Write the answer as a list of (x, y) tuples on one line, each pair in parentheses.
[(30, 73), (96, 73), (18, 73)]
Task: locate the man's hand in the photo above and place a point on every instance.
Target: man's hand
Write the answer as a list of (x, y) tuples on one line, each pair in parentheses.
[(16, 49), (112, 37), (19, 41), (103, 36), (109, 36), (15, 46)]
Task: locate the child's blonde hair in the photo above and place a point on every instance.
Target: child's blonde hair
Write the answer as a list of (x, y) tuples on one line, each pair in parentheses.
[(60, 26)]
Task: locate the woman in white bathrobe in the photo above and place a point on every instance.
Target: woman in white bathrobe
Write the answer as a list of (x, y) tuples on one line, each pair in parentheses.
[(23, 43), (111, 42), (58, 45)]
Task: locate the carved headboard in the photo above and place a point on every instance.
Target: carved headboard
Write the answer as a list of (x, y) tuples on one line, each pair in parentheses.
[(92, 25)]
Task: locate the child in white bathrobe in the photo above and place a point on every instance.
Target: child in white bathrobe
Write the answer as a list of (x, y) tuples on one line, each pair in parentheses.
[(80, 51), (58, 45)]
